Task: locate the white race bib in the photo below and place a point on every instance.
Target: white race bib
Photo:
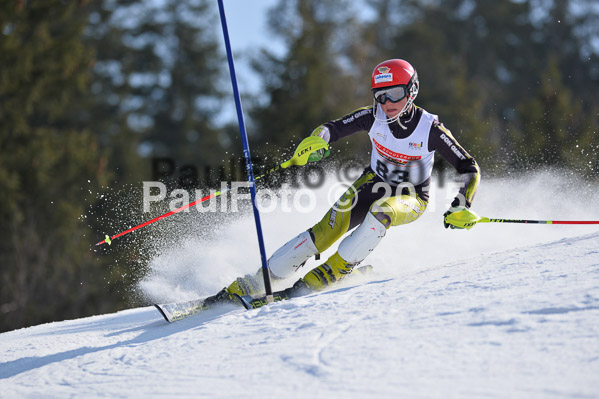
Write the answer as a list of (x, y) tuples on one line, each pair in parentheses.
[(398, 161)]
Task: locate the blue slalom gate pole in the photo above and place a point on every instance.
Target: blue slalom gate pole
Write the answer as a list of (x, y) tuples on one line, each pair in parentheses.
[(246, 152)]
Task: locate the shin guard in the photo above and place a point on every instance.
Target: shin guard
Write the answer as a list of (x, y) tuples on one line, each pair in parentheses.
[(355, 247), (291, 256)]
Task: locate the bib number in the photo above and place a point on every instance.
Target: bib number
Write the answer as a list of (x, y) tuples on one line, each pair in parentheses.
[(393, 176)]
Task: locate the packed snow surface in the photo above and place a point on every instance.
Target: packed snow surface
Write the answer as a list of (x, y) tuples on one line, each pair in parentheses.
[(499, 311)]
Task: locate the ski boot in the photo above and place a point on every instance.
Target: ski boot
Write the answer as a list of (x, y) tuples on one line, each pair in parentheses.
[(300, 288), (221, 297), (247, 285), (333, 270)]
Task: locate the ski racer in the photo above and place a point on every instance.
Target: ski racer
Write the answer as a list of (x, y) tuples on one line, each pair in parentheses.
[(404, 140)]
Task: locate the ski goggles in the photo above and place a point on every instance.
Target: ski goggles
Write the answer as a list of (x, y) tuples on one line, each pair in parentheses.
[(394, 94)]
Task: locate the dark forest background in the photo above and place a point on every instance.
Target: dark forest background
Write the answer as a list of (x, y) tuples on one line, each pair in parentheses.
[(96, 96)]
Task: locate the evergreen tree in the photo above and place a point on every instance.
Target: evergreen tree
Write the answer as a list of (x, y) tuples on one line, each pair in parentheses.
[(50, 168), (313, 82), (554, 121), (158, 70)]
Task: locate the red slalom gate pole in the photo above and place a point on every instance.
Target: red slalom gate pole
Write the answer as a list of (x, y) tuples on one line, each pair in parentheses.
[(108, 239)]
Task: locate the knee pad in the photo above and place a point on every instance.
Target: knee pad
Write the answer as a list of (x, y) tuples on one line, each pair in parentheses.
[(400, 210), (380, 215)]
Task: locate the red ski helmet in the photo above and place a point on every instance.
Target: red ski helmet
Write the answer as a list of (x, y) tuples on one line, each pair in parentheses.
[(393, 73), (396, 72)]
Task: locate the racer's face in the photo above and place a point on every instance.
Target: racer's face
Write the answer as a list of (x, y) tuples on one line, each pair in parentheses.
[(392, 109)]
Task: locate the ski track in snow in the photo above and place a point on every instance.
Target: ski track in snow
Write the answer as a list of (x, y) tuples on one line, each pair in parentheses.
[(500, 311)]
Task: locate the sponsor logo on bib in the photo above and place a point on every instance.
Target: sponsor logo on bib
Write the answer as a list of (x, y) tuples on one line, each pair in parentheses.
[(392, 156)]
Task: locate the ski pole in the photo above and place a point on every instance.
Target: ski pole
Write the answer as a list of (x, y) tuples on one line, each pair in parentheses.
[(466, 219), (300, 158)]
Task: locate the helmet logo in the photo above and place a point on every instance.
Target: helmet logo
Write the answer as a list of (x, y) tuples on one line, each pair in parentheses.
[(383, 77)]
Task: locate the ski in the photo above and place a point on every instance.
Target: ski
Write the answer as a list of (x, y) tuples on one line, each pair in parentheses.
[(250, 302), (179, 310), (299, 289)]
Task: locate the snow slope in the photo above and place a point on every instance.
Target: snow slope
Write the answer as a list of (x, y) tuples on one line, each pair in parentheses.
[(518, 323), (497, 311)]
